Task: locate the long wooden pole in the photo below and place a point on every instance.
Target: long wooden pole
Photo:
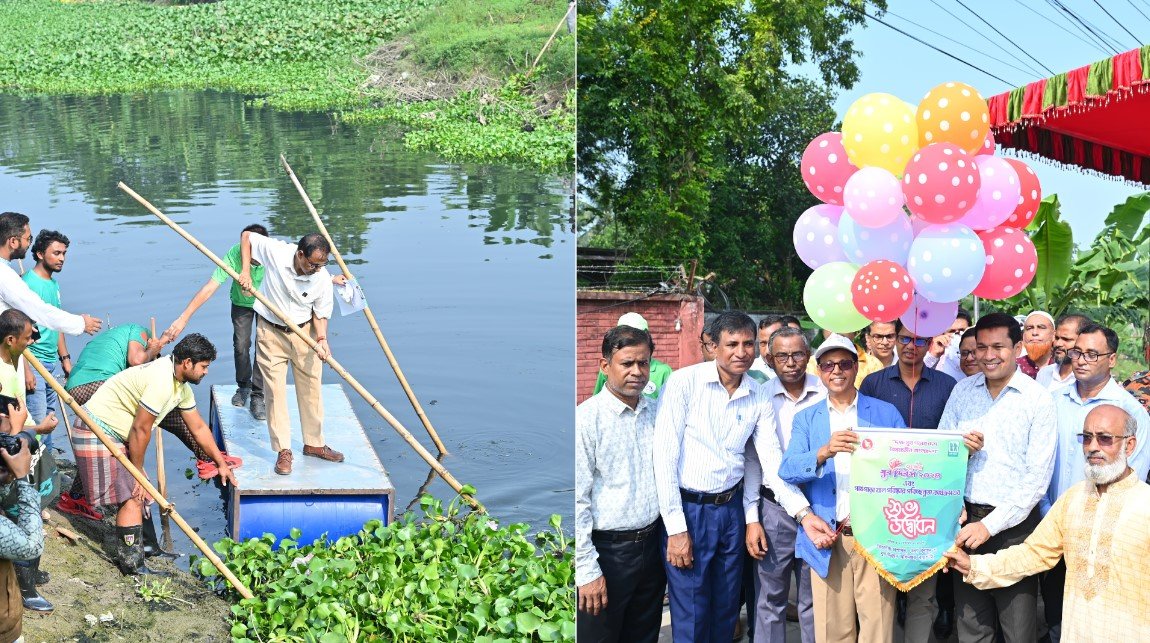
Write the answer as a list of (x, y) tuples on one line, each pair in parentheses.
[(367, 312), (163, 479), (165, 506), (331, 361)]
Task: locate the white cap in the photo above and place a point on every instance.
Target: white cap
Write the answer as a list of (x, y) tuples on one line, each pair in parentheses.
[(835, 342), (634, 320)]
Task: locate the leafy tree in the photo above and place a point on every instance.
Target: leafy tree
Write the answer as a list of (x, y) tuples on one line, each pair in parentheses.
[(691, 126)]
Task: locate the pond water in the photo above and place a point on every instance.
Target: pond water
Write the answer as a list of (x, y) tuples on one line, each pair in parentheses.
[(468, 269)]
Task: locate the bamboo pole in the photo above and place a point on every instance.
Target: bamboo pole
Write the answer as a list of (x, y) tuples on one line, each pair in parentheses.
[(165, 506), (367, 312), (331, 361), (570, 8), (163, 479)]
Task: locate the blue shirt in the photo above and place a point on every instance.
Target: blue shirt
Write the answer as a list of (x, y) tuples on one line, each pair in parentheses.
[(1071, 410), (929, 396)]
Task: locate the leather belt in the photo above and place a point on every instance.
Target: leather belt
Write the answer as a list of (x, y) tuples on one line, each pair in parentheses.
[(847, 531), (720, 498), (766, 492), (624, 535), (283, 328), (976, 512)]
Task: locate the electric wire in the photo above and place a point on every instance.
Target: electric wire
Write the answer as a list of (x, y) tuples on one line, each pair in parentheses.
[(1100, 44), (959, 43), (1136, 41), (987, 38), (1090, 43), (1131, 2), (1097, 33), (1095, 28), (1005, 37)]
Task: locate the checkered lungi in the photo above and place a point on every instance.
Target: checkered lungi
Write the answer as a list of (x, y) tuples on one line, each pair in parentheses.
[(106, 481), (172, 422)]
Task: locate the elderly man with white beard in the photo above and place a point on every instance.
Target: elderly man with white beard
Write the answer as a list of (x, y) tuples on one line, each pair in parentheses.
[(1099, 527)]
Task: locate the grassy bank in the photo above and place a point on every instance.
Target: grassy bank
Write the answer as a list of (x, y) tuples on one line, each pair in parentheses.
[(318, 55)]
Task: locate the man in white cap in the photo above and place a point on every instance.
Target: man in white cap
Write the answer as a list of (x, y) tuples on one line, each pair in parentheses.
[(843, 584), (660, 371), (1037, 342)]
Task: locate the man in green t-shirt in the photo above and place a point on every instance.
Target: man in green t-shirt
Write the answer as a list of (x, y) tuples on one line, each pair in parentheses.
[(49, 250), (660, 371), (248, 378)]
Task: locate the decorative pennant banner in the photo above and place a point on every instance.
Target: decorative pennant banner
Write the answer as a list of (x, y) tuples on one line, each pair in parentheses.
[(906, 498)]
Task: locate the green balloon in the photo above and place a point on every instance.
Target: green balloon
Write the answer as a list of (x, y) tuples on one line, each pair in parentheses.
[(827, 297)]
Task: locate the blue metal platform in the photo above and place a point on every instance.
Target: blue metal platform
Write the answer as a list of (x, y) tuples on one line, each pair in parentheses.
[(318, 496)]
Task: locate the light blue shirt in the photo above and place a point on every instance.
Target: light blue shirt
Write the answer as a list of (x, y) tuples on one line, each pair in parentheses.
[(1071, 410)]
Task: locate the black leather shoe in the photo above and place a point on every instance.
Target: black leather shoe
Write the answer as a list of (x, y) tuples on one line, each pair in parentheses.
[(944, 624)]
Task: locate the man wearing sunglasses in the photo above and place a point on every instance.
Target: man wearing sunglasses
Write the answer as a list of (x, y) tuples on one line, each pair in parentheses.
[(1098, 527), (817, 459), (296, 283), (1092, 357), (1005, 479)]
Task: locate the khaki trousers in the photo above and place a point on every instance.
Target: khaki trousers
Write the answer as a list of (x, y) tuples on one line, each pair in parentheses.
[(852, 590), (275, 350)]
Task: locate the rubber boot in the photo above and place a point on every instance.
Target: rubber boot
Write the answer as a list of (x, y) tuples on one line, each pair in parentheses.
[(26, 577), (152, 542), (129, 552)]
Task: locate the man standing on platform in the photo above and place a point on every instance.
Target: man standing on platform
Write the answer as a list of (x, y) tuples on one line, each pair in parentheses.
[(296, 283), (1060, 371), (618, 562), (49, 251), (1005, 479), (843, 585), (707, 412), (248, 379)]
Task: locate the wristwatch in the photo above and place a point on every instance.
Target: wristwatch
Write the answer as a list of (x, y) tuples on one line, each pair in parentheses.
[(806, 511)]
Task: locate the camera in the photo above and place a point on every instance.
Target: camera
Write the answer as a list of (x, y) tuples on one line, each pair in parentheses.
[(10, 443), (6, 400)]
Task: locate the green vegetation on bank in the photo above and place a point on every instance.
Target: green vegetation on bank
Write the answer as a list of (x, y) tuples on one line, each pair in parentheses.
[(311, 55), (443, 578)]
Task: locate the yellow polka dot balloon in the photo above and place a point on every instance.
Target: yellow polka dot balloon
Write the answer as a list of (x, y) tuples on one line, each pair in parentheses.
[(879, 131), (953, 113)]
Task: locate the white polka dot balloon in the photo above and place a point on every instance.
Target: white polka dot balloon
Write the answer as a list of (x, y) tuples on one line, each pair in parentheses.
[(826, 168), (946, 262), (998, 195), (953, 113), (879, 131), (1011, 263), (827, 298), (816, 235), (941, 183), (873, 197), (1029, 198), (881, 290), (862, 244), (926, 318)]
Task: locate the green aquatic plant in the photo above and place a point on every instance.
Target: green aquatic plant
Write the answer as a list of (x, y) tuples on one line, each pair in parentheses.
[(444, 577)]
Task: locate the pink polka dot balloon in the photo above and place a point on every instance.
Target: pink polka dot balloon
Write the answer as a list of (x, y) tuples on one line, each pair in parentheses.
[(997, 197), (1011, 261), (873, 197), (881, 290), (1030, 195), (926, 318), (826, 168), (816, 235), (941, 183), (988, 146)]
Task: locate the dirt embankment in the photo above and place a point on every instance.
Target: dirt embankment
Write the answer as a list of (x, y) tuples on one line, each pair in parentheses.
[(86, 585)]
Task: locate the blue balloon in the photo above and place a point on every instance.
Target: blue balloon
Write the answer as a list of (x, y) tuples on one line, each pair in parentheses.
[(946, 262), (864, 245)]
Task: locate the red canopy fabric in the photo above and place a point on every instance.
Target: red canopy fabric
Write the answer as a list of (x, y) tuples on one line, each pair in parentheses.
[(1095, 117)]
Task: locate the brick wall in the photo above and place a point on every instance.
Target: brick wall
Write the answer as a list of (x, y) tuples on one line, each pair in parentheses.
[(598, 312)]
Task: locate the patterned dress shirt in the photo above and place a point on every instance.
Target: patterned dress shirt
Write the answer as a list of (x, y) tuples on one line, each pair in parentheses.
[(1104, 540), (1012, 470), (701, 435), (614, 481)]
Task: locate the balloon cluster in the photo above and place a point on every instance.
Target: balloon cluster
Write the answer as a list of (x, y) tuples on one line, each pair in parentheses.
[(916, 213)]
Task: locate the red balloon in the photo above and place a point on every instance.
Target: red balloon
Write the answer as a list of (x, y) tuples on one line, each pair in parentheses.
[(1011, 261), (988, 145), (882, 291), (941, 183), (826, 168), (1030, 198)]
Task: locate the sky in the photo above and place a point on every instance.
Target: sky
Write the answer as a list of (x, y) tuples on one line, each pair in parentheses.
[(894, 63)]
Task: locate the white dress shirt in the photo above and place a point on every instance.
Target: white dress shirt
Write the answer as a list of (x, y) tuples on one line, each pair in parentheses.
[(845, 420), (614, 479), (701, 435), (1012, 470), (760, 365), (1050, 377), (14, 293), (297, 296)]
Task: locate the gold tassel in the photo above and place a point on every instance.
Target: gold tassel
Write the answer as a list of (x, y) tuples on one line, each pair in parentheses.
[(889, 577)]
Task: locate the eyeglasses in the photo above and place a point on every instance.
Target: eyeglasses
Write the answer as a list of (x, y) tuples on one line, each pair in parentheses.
[(968, 354), (1090, 356), (797, 356), (1103, 439), (314, 266), (844, 365), (919, 342), (883, 338)]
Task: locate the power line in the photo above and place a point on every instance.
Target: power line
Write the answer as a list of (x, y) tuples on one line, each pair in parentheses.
[(1093, 27), (1028, 54), (923, 42), (1090, 43), (1136, 41), (959, 43), (1082, 25), (987, 38), (1138, 10)]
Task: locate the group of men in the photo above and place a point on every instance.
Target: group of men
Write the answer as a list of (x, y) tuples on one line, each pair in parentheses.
[(128, 389), (731, 481)]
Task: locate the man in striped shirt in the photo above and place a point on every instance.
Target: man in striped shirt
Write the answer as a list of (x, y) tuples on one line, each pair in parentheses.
[(618, 562)]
